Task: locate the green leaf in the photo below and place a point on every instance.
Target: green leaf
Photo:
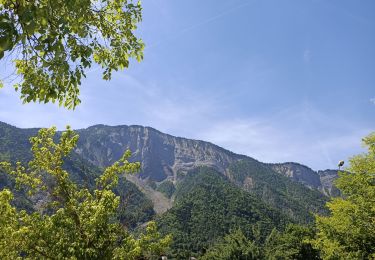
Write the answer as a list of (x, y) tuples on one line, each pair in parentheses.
[(5, 43), (67, 35)]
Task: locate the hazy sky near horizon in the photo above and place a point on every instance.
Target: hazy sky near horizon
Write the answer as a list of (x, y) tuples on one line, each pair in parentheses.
[(276, 80)]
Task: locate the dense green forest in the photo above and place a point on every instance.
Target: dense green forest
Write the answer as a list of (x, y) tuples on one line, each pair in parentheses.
[(291, 198), (208, 207)]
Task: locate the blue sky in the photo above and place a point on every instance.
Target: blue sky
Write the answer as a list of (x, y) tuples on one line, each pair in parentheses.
[(276, 80)]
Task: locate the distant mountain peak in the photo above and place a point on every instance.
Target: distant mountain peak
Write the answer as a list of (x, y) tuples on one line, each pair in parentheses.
[(162, 155)]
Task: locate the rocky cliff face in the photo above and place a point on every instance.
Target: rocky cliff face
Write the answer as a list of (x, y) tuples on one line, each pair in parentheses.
[(162, 156), (321, 180), (327, 178), (299, 173)]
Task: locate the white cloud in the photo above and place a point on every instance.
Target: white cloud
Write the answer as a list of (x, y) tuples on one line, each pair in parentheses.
[(291, 135), (372, 100)]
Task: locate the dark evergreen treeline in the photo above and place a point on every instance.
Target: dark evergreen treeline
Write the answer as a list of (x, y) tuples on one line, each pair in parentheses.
[(208, 207), (292, 243), (211, 214)]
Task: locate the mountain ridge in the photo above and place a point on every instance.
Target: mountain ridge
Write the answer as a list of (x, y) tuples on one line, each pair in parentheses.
[(162, 156), (167, 157)]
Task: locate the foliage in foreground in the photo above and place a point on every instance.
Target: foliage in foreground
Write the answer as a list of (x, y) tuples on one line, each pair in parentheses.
[(53, 43), (349, 232), (75, 222), (234, 246), (292, 243)]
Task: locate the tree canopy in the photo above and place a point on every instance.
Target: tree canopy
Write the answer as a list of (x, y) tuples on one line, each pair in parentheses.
[(53, 43), (69, 221), (234, 246), (292, 243), (349, 231)]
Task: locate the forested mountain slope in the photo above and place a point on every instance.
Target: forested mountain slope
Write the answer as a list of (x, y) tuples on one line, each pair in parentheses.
[(167, 161), (208, 206)]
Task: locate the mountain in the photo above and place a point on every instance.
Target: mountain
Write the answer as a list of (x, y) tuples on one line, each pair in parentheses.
[(196, 190), (299, 173), (14, 142), (162, 156), (291, 198), (166, 159), (320, 180)]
